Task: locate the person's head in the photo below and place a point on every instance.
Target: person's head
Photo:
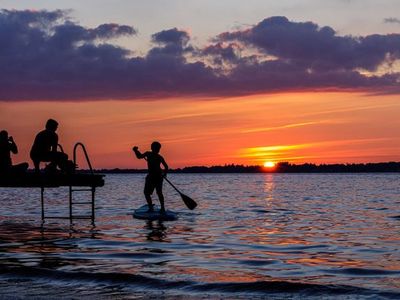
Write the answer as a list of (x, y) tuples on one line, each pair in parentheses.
[(51, 125), (155, 147), (3, 136)]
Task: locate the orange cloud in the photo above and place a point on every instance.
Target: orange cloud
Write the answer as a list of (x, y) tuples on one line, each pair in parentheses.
[(296, 152)]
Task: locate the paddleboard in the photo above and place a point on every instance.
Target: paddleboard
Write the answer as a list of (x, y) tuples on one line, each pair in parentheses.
[(143, 214)]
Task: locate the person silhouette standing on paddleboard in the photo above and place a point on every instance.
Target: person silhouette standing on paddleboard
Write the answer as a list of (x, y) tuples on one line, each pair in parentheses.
[(154, 178)]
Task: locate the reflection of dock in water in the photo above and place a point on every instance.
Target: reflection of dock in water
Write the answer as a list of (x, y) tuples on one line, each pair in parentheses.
[(77, 182)]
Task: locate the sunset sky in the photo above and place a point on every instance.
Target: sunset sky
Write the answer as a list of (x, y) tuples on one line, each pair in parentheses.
[(215, 82)]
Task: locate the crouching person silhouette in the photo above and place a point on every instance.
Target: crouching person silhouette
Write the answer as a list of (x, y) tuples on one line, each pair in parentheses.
[(154, 178), (44, 149), (8, 146)]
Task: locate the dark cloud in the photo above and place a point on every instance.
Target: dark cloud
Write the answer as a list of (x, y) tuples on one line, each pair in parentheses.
[(392, 20), (222, 52), (304, 55), (171, 36), (47, 56), (318, 48), (173, 43)]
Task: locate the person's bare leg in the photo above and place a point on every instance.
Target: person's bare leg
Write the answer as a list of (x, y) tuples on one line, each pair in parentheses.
[(161, 198), (149, 202), (148, 190)]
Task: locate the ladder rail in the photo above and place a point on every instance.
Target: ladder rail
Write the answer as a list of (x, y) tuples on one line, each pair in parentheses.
[(71, 190), (79, 144), (92, 189)]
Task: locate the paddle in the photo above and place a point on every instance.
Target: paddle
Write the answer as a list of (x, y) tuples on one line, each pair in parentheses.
[(189, 202)]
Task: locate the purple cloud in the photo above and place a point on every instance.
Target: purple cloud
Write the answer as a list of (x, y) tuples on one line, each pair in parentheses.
[(171, 36), (173, 43), (316, 47), (222, 53), (46, 56), (392, 20)]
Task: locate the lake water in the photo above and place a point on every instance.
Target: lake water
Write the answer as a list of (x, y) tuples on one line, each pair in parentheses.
[(335, 236)]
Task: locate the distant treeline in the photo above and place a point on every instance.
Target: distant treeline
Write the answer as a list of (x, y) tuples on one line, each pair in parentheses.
[(282, 167)]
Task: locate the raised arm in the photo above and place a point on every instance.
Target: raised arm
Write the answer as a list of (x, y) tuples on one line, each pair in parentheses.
[(138, 154)]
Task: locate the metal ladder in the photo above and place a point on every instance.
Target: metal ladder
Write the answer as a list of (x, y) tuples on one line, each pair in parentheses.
[(91, 189), (72, 190)]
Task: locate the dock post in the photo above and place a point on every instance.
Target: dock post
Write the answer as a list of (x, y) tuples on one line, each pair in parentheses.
[(42, 201), (93, 208), (70, 204)]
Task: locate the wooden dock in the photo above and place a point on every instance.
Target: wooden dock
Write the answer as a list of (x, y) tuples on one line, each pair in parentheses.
[(77, 182), (32, 180)]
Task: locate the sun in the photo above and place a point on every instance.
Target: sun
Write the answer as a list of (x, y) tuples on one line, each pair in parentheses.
[(269, 164)]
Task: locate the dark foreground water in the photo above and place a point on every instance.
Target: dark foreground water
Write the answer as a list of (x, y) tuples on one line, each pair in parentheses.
[(252, 236)]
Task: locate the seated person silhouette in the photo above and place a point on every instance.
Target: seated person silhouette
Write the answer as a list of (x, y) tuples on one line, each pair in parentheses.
[(154, 178), (44, 149), (8, 146)]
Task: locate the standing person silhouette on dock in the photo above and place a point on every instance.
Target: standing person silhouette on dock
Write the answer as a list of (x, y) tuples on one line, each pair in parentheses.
[(154, 178), (8, 146), (44, 149)]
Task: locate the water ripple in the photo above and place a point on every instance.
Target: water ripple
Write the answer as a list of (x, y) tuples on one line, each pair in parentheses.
[(295, 235)]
